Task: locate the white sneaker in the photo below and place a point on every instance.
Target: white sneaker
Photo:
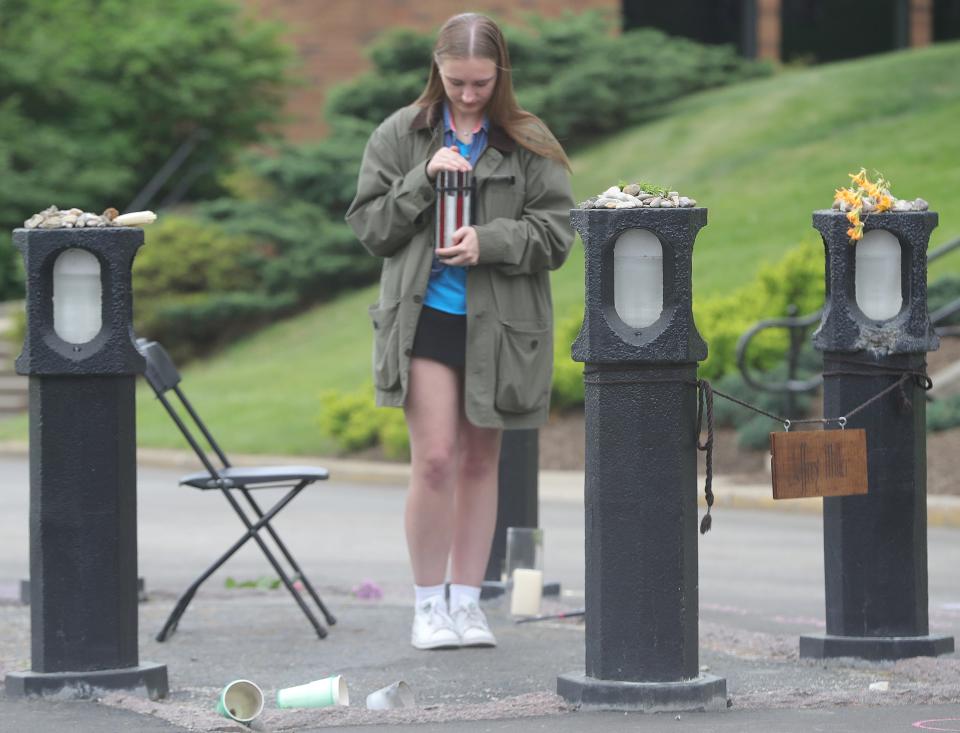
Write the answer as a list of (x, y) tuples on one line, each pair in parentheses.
[(432, 626), (471, 624)]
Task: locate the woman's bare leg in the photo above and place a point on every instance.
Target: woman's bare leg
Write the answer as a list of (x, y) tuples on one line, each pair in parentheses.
[(475, 504), (432, 410)]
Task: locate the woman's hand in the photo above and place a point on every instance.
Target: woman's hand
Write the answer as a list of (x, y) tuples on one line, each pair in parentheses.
[(465, 250), (447, 159)]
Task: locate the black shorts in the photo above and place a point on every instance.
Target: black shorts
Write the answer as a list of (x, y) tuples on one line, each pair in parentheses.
[(441, 336)]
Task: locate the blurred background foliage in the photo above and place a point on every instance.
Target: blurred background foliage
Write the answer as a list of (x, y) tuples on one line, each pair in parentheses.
[(93, 107), (95, 95)]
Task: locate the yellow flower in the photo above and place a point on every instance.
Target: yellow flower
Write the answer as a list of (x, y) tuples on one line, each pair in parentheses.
[(873, 191), (853, 196), (860, 178), (847, 196), (884, 202)]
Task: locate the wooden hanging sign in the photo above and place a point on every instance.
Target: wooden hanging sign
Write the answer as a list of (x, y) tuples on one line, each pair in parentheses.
[(819, 463)]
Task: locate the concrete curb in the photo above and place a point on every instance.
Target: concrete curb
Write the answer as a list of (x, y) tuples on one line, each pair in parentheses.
[(556, 486)]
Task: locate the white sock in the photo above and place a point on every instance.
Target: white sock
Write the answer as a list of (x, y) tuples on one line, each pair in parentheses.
[(426, 592), (461, 595)]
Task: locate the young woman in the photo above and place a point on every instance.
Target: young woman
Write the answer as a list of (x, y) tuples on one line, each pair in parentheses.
[(463, 335)]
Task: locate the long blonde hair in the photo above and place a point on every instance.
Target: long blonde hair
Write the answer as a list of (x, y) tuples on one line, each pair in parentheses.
[(471, 35)]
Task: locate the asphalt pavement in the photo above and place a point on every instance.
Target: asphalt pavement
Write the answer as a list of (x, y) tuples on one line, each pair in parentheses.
[(761, 585)]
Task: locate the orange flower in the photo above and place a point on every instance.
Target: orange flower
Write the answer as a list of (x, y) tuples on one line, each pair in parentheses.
[(884, 202), (853, 196), (847, 196), (873, 191)]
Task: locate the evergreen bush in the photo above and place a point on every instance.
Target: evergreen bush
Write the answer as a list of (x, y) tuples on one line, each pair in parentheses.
[(197, 287), (96, 95)]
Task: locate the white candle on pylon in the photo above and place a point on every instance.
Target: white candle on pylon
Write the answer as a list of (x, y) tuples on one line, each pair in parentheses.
[(527, 590)]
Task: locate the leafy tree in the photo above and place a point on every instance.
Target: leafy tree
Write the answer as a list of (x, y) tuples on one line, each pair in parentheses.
[(95, 95)]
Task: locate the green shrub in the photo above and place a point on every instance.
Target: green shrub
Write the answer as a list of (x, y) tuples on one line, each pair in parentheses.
[(393, 435), (96, 95), (727, 414), (197, 287), (755, 433), (307, 255), (354, 421), (11, 271), (581, 94), (943, 414), (941, 292), (567, 389), (796, 279), (17, 331), (196, 324), (185, 255), (570, 70)]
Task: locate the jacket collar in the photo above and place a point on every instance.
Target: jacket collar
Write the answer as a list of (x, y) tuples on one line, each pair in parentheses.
[(431, 117)]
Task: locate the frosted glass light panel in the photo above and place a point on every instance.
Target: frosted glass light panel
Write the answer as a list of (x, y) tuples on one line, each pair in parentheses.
[(638, 277), (77, 296), (878, 275)]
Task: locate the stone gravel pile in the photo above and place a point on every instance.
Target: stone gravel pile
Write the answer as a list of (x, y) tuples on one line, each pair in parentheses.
[(633, 196), (54, 218), (870, 206)]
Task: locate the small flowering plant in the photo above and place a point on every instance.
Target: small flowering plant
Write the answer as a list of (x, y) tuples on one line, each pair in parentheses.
[(863, 197)]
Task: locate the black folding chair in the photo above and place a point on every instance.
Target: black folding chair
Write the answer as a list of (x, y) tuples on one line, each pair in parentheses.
[(164, 378)]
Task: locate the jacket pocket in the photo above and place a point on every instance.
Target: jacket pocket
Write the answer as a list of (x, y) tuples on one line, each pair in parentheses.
[(386, 352), (524, 368), (502, 197)]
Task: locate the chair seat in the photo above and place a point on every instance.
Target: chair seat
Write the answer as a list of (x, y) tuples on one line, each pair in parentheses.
[(249, 476)]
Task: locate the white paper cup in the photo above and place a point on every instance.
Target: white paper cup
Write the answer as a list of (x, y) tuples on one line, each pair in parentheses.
[(527, 588), (397, 695), (317, 694), (241, 700)]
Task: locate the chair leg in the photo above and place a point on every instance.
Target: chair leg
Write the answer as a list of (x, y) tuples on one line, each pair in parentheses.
[(178, 610), (331, 619), (321, 632)]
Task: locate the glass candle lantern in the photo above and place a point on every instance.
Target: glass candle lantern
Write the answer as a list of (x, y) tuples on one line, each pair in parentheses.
[(77, 296), (877, 282), (638, 277)]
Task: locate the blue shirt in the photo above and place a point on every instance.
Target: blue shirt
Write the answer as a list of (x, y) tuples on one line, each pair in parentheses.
[(447, 288)]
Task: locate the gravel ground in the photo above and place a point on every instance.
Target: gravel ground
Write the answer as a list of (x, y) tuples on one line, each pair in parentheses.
[(762, 670)]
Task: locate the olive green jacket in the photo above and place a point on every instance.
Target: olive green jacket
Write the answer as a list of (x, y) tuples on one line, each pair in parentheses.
[(521, 220)]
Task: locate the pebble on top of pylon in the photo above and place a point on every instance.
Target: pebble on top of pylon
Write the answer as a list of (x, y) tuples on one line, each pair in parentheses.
[(54, 218)]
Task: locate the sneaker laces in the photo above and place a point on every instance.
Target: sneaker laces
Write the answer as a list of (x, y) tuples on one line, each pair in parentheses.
[(473, 617), (437, 616)]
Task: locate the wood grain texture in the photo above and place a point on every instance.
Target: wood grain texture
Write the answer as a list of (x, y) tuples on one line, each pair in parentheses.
[(819, 463)]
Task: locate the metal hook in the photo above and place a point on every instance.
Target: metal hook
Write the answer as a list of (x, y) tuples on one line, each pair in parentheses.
[(843, 422), (786, 425)]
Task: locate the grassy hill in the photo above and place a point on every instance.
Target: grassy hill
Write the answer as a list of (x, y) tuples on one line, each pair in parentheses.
[(761, 156)]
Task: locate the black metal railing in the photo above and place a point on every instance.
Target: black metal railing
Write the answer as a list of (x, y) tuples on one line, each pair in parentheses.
[(799, 328)]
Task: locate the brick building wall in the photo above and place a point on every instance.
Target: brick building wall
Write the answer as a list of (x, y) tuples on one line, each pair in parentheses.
[(331, 36)]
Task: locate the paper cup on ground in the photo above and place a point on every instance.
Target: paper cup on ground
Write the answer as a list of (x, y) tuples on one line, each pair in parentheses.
[(397, 695), (526, 592), (241, 700), (317, 694)]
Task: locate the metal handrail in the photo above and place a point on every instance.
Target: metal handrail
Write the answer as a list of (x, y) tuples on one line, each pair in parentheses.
[(794, 324), (797, 326)]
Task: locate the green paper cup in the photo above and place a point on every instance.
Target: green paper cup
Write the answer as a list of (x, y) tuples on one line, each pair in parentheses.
[(317, 694), (241, 700)]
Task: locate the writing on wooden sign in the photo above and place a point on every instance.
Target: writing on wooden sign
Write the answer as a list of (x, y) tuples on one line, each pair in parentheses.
[(819, 463)]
